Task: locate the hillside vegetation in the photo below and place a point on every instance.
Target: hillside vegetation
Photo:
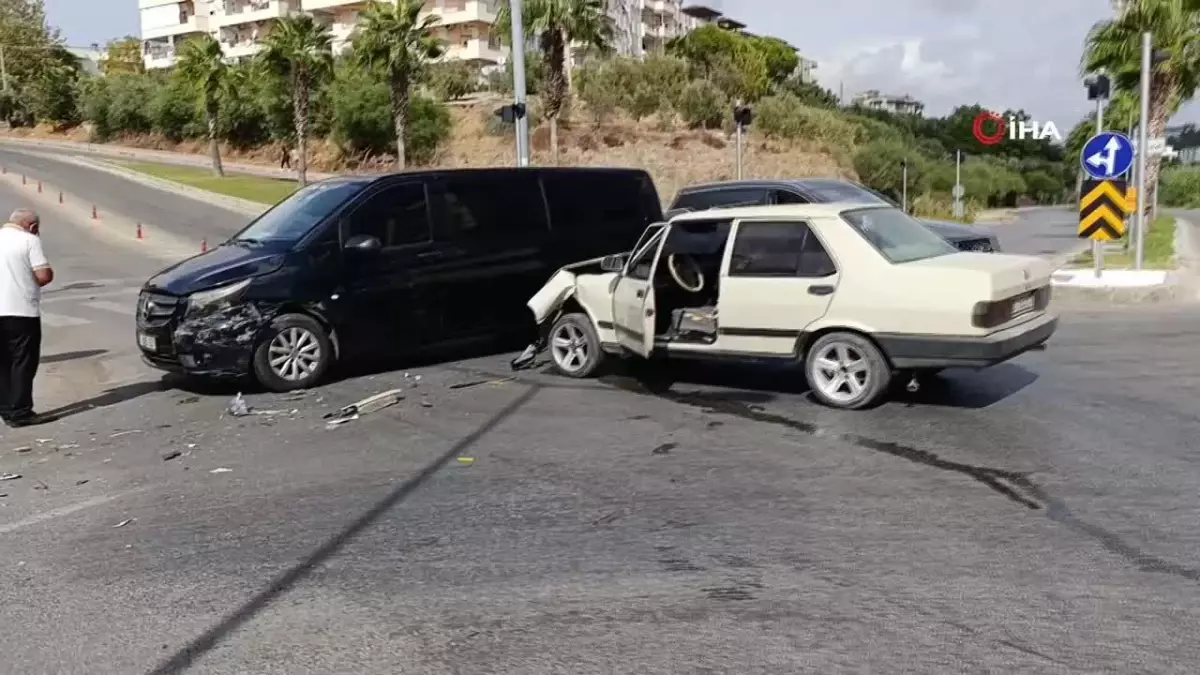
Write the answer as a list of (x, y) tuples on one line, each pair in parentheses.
[(670, 114)]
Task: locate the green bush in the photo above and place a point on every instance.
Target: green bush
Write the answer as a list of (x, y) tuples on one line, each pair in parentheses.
[(603, 86), (362, 118), (702, 105), (174, 112), (1179, 187), (784, 116), (452, 80)]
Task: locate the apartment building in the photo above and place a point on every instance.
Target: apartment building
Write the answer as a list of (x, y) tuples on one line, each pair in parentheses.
[(466, 26), (900, 104)]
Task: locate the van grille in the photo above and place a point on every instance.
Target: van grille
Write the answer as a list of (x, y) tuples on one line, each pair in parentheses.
[(156, 309)]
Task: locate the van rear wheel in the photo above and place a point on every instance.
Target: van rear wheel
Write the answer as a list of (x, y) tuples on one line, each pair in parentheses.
[(294, 353), (574, 346)]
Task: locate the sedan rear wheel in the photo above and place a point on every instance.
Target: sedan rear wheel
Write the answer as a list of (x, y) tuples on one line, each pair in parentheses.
[(847, 371)]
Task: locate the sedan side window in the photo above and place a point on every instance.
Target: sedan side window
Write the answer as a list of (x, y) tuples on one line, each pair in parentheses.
[(396, 215), (643, 260), (779, 249)]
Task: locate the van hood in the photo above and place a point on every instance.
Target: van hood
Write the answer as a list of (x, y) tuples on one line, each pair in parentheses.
[(222, 265), (954, 231)]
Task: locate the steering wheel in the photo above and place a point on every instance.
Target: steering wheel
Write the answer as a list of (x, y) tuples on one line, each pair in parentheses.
[(691, 269)]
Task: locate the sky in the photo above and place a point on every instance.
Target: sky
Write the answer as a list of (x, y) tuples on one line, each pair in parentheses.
[(1019, 54)]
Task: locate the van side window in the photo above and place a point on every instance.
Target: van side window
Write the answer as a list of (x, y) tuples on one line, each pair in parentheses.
[(397, 215), (779, 249), (595, 204), (714, 199), (786, 197), (501, 206)]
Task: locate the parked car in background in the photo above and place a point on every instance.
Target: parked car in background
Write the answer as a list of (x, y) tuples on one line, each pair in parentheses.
[(817, 191), (860, 294), (370, 266)]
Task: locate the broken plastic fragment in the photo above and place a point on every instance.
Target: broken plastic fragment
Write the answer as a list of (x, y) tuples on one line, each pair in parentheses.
[(466, 460), (238, 406), (123, 523), (9, 476), (526, 358), (221, 470), (366, 406)]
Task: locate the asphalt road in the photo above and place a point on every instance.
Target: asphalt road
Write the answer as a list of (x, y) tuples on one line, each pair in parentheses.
[(1046, 231), (1035, 518)]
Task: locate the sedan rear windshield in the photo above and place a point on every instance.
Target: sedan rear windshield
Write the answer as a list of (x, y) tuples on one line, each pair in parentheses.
[(896, 236), (294, 217)]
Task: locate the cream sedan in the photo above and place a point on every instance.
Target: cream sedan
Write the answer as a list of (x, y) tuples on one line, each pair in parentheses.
[(861, 295)]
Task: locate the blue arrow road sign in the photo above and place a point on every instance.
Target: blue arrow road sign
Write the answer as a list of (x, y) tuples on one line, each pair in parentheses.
[(1107, 155)]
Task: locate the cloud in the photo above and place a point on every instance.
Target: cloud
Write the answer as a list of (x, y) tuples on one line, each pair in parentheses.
[(1017, 54)]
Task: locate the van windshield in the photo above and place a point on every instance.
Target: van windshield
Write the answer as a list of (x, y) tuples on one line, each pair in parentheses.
[(294, 217), (898, 237)]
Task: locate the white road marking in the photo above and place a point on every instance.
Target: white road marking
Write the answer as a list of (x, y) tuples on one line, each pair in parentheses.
[(61, 321), (61, 511), (110, 306)]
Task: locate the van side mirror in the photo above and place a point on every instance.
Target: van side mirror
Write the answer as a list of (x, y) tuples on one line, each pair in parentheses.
[(363, 243), (612, 263)]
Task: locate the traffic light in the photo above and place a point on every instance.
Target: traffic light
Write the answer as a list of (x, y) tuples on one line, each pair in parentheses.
[(509, 114), (1098, 88), (743, 115)]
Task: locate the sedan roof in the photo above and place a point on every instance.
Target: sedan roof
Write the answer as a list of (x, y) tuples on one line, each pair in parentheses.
[(777, 211)]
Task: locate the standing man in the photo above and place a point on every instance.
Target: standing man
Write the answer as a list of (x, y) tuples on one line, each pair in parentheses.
[(23, 271)]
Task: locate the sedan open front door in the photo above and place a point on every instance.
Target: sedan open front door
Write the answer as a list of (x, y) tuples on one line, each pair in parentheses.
[(633, 298)]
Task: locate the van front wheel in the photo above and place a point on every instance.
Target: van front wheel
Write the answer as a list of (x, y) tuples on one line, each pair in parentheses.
[(294, 353)]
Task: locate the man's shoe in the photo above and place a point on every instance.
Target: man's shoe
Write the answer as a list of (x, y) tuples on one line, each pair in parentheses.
[(26, 420)]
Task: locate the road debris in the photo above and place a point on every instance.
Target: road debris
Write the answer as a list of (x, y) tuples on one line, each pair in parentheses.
[(9, 476), (125, 433), (24, 449), (42, 441), (477, 383), (664, 449), (123, 523), (221, 470), (173, 454), (366, 406), (238, 406), (83, 481), (466, 461), (526, 358), (188, 399)]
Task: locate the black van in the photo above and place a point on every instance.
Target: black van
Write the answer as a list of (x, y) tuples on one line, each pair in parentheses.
[(381, 265)]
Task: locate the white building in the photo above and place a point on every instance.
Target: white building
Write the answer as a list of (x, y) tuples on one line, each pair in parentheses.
[(899, 104), (466, 26)]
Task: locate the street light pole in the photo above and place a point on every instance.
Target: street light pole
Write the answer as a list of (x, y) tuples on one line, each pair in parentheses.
[(518, 61), (1143, 151)]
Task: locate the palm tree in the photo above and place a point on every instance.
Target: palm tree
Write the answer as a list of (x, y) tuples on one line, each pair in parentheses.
[(556, 24), (392, 39), (1115, 46), (202, 65), (299, 48)]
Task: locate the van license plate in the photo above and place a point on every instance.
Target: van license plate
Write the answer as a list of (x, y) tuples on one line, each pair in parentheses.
[(1022, 306), (148, 342)]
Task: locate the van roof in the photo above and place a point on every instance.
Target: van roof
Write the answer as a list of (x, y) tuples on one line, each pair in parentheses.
[(483, 171), (778, 211)]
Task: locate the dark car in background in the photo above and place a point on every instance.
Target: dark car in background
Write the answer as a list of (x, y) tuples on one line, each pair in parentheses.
[(382, 266), (816, 191)]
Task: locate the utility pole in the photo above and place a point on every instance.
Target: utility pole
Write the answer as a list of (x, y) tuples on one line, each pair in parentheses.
[(1142, 152), (3, 70), (742, 117), (518, 60), (960, 210)]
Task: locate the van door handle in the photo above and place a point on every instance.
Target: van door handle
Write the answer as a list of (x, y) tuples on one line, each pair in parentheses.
[(430, 254), (641, 294), (820, 290)]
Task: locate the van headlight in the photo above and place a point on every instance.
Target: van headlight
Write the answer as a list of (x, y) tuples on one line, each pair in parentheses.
[(215, 299)]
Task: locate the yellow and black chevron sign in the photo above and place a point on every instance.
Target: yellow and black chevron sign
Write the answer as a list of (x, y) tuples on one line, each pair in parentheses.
[(1102, 209)]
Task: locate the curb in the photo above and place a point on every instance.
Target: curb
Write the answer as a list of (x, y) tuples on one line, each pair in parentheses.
[(1178, 285), (244, 206), (115, 151)]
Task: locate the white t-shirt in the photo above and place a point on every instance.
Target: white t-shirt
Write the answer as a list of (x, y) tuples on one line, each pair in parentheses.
[(20, 254)]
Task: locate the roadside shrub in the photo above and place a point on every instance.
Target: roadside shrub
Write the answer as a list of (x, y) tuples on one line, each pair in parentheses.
[(174, 112), (602, 86), (702, 105), (452, 80), (784, 116), (1179, 187), (362, 118), (128, 109), (429, 126)]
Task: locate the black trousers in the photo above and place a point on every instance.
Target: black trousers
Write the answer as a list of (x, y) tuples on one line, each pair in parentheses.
[(20, 351)]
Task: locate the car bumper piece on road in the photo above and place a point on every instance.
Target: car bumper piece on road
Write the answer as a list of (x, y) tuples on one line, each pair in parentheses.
[(916, 351)]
